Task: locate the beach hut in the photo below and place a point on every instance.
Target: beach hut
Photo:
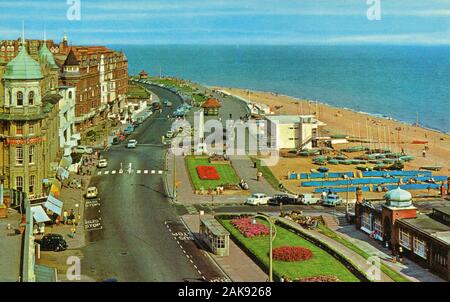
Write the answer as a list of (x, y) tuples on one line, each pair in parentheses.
[(143, 74), (211, 107)]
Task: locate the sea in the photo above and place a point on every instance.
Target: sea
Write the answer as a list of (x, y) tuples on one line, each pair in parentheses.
[(405, 83)]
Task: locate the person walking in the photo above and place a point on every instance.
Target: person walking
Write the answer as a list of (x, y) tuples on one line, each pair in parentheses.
[(424, 153), (65, 217)]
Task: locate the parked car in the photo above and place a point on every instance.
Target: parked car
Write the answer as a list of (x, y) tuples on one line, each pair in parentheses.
[(91, 192), (116, 141), (284, 198), (257, 199), (132, 143), (308, 199), (83, 150), (102, 163), (331, 200), (52, 242)]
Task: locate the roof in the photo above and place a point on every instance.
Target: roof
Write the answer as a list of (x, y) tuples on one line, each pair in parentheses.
[(71, 59), (23, 67), (211, 103), (429, 226), (214, 227), (398, 195), (45, 54), (292, 119), (143, 72), (445, 210)]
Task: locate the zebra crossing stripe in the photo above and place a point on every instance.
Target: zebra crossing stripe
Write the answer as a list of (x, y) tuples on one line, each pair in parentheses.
[(145, 171), (138, 171), (106, 172), (120, 171), (99, 173), (153, 171), (113, 172), (160, 172)]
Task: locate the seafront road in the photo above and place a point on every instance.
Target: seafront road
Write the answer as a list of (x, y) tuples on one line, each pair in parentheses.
[(131, 237)]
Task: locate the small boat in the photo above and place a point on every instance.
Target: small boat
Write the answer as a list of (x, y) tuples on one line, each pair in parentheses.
[(340, 157), (419, 142), (354, 149), (345, 162), (431, 168), (364, 168), (407, 158), (323, 169), (333, 162)]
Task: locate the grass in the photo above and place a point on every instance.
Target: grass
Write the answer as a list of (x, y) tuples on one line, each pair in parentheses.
[(135, 91), (394, 275), (267, 174), (322, 263), (226, 172)]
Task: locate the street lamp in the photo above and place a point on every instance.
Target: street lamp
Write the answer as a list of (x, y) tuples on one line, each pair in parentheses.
[(272, 235), (348, 189)]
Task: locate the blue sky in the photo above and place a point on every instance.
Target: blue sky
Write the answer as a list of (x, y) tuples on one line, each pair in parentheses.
[(425, 22)]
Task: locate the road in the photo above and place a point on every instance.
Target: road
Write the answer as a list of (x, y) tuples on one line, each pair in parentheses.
[(129, 236)]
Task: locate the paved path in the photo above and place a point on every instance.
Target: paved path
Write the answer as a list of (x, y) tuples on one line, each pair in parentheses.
[(408, 268), (238, 266), (355, 258), (245, 170), (10, 248)]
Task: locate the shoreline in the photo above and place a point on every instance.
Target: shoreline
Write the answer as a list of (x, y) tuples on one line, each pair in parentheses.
[(348, 121)]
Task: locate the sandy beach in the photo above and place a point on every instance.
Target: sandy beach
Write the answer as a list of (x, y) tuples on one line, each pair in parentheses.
[(384, 133)]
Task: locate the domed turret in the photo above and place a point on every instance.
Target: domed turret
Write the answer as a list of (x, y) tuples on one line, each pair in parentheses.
[(398, 198), (23, 67)]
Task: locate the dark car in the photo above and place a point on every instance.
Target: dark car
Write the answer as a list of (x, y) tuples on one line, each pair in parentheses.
[(284, 198), (116, 141), (52, 242)]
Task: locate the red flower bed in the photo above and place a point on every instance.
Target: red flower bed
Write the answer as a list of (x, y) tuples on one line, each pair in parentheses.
[(320, 279), (248, 229), (291, 253), (208, 173)]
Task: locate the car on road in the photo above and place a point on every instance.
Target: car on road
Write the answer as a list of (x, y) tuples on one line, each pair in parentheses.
[(102, 163), (83, 150), (52, 242), (331, 200), (91, 192), (308, 199), (284, 198), (257, 199), (116, 141), (132, 143)]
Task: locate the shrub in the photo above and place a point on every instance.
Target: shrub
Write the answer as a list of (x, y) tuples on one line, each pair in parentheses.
[(248, 229), (291, 253)]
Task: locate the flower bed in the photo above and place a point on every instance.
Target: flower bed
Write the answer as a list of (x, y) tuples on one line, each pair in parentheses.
[(207, 173), (248, 229), (320, 279), (291, 253)]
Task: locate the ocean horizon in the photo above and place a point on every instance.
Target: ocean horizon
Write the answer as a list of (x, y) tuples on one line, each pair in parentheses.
[(399, 82)]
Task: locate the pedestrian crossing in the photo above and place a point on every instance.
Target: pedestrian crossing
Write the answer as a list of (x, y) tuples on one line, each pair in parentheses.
[(129, 172)]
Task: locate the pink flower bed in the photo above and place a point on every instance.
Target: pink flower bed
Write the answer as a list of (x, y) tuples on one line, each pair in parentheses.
[(291, 253), (248, 229)]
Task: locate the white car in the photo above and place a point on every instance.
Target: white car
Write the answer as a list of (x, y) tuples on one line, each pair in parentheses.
[(257, 199), (92, 192), (83, 150), (132, 143), (103, 163)]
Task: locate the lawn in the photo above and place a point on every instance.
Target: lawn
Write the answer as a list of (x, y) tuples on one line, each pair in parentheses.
[(135, 91), (321, 263), (267, 174), (397, 277), (226, 172)]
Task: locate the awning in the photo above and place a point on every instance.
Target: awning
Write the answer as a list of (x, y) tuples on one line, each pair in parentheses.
[(39, 214), (45, 273), (54, 205)]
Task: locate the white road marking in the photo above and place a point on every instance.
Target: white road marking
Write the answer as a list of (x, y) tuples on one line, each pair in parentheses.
[(113, 172), (145, 171), (153, 171), (120, 171), (99, 173), (106, 172), (160, 172), (139, 171), (191, 260)]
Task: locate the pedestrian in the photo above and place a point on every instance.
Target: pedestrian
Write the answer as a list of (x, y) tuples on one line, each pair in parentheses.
[(424, 153), (65, 217)]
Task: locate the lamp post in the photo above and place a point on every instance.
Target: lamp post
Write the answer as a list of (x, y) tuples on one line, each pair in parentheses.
[(348, 189), (272, 235)]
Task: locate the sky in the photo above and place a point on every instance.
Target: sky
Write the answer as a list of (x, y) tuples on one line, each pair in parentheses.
[(279, 22)]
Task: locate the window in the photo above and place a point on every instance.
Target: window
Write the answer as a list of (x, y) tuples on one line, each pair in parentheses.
[(31, 155), (9, 98), (32, 182), (19, 98), (365, 222), (420, 248), (440, 259), (19, 183), (31, 129), (70, 95), (377, 226), (220, 242), (405, 239), (31, 98), (19, 128), (19, 155)]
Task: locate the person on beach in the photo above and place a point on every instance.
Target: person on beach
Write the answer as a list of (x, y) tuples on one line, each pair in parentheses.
[(424, 153)]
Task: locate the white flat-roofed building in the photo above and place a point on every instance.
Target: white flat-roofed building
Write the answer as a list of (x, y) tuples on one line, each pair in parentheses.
[(292, 131)]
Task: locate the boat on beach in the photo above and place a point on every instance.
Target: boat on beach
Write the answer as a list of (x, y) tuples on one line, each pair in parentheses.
[(431, 168)]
